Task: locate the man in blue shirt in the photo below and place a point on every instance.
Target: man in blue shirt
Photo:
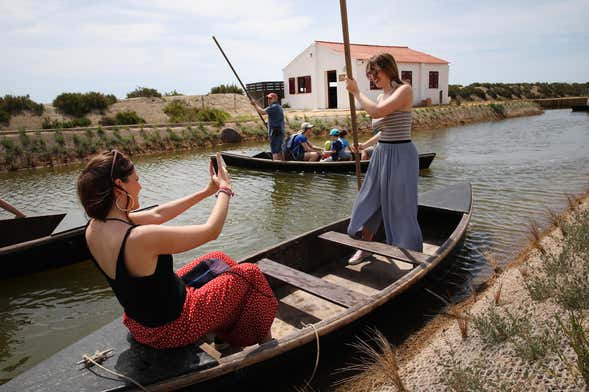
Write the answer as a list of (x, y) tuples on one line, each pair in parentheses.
[(275, 125)]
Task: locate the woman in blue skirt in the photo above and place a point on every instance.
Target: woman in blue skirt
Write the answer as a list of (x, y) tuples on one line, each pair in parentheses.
[(389, 191)]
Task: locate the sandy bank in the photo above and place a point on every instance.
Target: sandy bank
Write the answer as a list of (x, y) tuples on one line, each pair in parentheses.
[(513, 340)]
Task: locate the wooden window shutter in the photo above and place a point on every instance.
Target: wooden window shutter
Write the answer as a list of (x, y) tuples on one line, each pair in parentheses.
[(433, 79), (308, 84), (407, 76), (292, 89)]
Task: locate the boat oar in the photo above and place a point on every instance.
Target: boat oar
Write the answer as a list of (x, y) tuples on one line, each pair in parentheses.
[(344, 13), (240, 82)]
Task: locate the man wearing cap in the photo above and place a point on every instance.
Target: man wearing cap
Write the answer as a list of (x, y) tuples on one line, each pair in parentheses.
[(275, 125), (302, 149)]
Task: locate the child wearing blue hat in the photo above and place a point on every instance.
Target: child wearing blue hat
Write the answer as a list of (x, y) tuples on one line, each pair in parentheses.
[(337, 146), (346, 153)]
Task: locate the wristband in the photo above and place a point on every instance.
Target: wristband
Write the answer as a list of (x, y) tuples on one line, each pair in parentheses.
[(226, 191)]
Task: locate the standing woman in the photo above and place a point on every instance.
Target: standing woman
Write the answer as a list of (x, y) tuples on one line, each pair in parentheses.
[(389, 190), (133, 250)]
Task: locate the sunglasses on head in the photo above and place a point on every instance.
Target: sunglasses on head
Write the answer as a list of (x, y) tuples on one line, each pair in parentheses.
[(114, 162)]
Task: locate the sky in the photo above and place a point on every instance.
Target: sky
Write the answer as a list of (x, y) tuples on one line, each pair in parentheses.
[(49, 47)]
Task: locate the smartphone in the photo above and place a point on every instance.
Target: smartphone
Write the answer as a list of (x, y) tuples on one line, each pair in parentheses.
[(215, 168)]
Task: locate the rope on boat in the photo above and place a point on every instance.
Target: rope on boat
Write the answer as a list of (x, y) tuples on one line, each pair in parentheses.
[(89, 361), (318, 353)]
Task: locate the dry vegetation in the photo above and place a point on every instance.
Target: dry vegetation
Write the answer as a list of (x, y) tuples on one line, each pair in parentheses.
[(529, 331)]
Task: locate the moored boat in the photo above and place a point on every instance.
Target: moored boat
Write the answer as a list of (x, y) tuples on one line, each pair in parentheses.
[(263, 161), (35, 243), (314, 285)]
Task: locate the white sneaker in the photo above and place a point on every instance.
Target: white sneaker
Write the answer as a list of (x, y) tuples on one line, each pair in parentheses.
[(359, 257)]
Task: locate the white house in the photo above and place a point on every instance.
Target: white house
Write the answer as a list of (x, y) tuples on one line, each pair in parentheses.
[(315, 78)]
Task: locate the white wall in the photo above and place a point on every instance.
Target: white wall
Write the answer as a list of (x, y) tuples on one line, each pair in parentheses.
[(302, 65), (316, 60), (434, 94)]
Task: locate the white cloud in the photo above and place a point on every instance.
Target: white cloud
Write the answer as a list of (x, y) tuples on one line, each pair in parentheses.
[(168, 43)]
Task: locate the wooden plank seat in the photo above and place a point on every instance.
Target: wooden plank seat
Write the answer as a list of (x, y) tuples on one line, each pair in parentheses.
[(405, 255), (311, 284)]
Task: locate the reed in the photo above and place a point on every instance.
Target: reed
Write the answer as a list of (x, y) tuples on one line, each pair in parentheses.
[(554, 218), (577, 337), (524, 271), (377, 363), (492, 262), (572, 202), (536, 236), (455, 312), (497, 296)]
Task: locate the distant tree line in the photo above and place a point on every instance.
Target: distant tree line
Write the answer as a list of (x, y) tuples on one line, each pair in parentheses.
[(505, 91)]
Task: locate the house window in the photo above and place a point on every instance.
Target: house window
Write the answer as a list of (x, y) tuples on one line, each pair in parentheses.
[(372, 85), (304, 84), (407, 77), (433, 79), (292, 89)]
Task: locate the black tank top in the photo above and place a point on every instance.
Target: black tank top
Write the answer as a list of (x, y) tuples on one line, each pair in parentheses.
[(152, 300)]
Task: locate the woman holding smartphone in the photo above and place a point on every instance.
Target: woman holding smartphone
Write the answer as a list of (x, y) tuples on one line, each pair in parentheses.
[(134, 252)]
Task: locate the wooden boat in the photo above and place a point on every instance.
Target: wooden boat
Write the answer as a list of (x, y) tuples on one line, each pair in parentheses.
[(314, 285), (263, 161), (36, 243)]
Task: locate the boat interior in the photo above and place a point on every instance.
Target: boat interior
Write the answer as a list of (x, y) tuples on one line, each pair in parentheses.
[(313, 281)]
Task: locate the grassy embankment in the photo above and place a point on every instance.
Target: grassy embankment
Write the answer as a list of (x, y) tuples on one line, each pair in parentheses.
[(529, 330), (29, 149)]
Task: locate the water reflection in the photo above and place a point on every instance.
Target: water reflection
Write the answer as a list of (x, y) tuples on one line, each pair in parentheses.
[(518, 168)]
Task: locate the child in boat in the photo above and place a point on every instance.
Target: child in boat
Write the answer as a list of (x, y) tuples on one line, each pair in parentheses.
[(133, 250), (346, 153), (336, 146), (326, 149)]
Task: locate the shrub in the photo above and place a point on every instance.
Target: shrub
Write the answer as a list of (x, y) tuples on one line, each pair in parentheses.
[(128, 117), (78, 104), (56, 124), (4, 117), (213, 115), (173, 93), (110, 99), (225, 89), (59, 139), (107, 121), (17, 104), (498, 108), (178, 111), (144, 92)]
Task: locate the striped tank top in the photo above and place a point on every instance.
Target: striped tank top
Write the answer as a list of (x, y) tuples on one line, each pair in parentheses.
[(394, 127)]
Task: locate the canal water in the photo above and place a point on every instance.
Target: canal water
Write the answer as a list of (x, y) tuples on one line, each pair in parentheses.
[(518, 168)]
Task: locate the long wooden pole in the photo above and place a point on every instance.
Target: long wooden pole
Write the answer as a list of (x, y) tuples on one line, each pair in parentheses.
[(344, 12), (240, 82)]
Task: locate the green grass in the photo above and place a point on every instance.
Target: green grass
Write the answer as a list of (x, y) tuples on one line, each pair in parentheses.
[(564, 276)]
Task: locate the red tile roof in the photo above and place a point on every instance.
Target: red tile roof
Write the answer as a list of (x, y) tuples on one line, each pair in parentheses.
[(402, 54)]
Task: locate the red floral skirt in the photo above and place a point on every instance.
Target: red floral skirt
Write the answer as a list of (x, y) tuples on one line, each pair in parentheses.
[(238, 306)]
